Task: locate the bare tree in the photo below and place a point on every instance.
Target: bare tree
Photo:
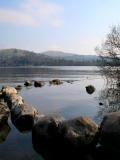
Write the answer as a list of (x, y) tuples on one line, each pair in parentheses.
[(109, 51)]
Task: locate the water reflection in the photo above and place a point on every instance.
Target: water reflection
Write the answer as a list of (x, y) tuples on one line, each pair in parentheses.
[(4, 131), (110, 96)]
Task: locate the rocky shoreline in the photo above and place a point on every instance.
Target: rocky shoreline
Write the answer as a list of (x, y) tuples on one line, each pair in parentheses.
[(55, 134)]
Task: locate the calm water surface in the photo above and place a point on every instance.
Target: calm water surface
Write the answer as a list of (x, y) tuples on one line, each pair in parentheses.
[(69, 100)]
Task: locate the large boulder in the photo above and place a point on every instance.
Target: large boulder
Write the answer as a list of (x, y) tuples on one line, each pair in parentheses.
[(45, 136), (23, 116), (39, 83), (79, 132), (47, 128), (4, 113), (7, 90), (28, 83), (110, 130)]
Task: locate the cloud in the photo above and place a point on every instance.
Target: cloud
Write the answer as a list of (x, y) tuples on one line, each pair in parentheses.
[(33, 13)]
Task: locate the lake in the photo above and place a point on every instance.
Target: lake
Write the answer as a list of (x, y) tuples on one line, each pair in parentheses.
[(69, 100)]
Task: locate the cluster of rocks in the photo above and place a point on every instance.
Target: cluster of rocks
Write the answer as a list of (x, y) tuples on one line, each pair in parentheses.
[(77, 134), (42, 83)]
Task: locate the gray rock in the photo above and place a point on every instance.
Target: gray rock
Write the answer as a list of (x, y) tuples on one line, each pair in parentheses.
[(110, 130), (23, 116), (7, 91), (90, 89), (56, 82), (28, 83), (47, 127), (18, 88), (39, 83), (14, 100), (79, 132), (4, 113)]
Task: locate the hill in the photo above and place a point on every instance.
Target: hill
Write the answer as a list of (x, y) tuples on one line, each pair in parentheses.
[(18, 57)]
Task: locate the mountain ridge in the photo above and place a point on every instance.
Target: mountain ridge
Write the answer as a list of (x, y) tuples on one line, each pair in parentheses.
[(19, 57)]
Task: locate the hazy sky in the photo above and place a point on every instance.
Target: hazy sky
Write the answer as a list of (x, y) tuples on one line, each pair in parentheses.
[(76, 26)]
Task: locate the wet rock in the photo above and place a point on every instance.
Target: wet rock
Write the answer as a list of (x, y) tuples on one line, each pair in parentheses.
[(14, 100), (7, 91), (4, 131), (110, 130), (47, 128), (4, 113), (79, 133), (28, 83), (18, 87), (39, 83), (90, 89), (23, 116), (56, 82), (100, 103)]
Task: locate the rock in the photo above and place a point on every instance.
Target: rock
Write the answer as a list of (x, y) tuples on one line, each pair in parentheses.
[(56, 82), (14, 100), (4, 131), (23, 116), (4, 113), (100, 103), (110, 130), (18, 87), (39, 83), (79, 133), (47, 128), (7, 91), (28, 83), (90, 89)]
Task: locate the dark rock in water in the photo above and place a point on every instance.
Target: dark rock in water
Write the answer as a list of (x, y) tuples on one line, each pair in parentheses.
[(90, 89), (39, 83), (18, 87), (110, 130), (56, 82), (23, 116), (80, 132), (4, 113), (28, 83), (45, 136), (46, 128), (4, 131), (54, 138), (100, 103)]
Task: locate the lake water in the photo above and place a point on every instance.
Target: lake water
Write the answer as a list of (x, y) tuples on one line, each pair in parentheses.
[(69, 100)]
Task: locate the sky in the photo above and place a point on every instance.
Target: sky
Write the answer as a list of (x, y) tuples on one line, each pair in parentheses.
[(74, 26)]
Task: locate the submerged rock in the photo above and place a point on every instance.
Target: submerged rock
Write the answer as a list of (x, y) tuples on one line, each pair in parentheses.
[(28, 83), (4, 113), (39, 83), (56, 82), (18, 87), (79, 132), (90, 89), (110, 130)]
